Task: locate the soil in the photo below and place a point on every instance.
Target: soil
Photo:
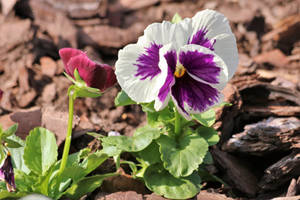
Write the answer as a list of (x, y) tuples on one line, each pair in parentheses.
[(258, 155)]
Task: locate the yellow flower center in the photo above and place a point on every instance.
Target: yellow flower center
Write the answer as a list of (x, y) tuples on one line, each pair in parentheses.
[(179, 71)]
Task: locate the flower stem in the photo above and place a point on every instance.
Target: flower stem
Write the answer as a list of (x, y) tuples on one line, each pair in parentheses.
[(177, 123), (72, 97)]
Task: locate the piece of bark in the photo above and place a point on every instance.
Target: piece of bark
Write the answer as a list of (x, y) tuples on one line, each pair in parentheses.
[(48, 66), (27, 120), (204, 195), (129, 195), (274, 57), (285, 31), (135, 5), (226, 116), (281, 172), (49, 93), (237, 172), (57, 122), (7, 6), (153, 196), (90, 36), (14, 33), (287, 198), (292, 189), (266, 137)]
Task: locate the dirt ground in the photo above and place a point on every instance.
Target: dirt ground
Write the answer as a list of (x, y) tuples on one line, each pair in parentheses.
[(258, 156)]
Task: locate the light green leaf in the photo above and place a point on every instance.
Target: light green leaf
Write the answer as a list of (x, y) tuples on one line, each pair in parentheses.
[(17, 154), (86, 185), (163, 183), (10, 131), (209, 134), (123, 99), (141, 139), (183, 157), (40, 151), (206, 118), (4, 194), (176, 18), (2, 154)]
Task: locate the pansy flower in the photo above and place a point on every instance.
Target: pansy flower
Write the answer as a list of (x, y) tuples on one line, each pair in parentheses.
[(7, 174), (94, 74), (190, 62)]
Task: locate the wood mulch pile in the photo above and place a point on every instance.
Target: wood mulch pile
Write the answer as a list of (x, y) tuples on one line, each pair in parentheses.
[(258, 156)]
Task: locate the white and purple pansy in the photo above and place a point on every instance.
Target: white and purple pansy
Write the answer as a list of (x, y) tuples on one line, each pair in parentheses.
[(190, 62)]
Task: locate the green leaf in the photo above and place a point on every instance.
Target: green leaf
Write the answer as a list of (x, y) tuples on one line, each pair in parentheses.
[(141, 139), (86, 185), (183, 157), (209, 134), (17, 154), (176, 18), (208, 159), (40, 151), (150, 154), (87, 91), (11, 144), (206, 118), (163, 183), (123, 99), (2, 154), (10, 131), (4, 194), (24, 182)]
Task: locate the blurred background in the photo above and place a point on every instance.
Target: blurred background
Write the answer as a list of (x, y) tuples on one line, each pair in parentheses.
[(258, 154)]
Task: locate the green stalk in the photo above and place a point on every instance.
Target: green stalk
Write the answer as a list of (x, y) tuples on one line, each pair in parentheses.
[(72, 97), (177, 123)]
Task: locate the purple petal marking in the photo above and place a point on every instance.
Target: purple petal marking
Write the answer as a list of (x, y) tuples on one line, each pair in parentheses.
[(7, 172), (171, 59), (200, 65), (148, 63), (197, 95), (200, 39)]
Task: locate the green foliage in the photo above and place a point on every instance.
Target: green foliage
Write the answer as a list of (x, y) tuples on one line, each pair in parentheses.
[(176, 18), (123, 99), (36, 168), (206, 118), (183, 157), (163, 183), (142, 138), (40, 151), (209, 134)]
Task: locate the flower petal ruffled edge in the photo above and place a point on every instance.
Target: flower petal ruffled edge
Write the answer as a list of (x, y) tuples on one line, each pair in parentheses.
[(218, 31)]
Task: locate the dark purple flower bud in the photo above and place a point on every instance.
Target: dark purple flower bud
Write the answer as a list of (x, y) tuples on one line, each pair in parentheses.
[(94, 74), (7, 174), (1, 94)]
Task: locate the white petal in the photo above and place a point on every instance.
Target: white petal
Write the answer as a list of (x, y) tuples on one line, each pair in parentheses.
[(163, 65), (167, 32), (218, 30), (223, 76), (137, 89)]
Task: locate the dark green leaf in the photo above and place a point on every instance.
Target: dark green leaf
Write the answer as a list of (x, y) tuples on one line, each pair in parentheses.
[(183, 157), (161, 182), (86, 185), (123, 99), (150, 154), (40, 151), (12, 144), (208, 159), (209, 134)]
